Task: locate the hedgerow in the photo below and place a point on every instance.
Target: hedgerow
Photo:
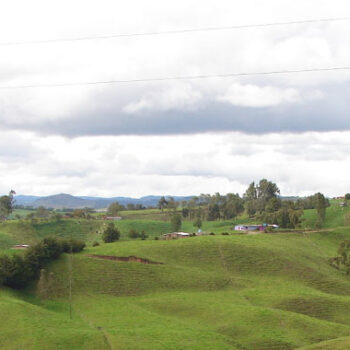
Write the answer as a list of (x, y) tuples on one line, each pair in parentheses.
[(18, 270)]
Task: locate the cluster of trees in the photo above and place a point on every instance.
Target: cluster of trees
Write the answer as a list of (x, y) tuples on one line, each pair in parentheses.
[(115, 207), (312, 202), (18, 270), (261, 197), (285, 215), (6, 205), (261, 200), (168, 203), (342, 261), (213, 207)]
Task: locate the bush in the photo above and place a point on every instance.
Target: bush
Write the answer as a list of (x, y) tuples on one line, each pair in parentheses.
[(156, 238), (268, 229), (225, 233), (212, 234), (73, 245), (95, 244), (133, 234), (143, 236), (110, 234)]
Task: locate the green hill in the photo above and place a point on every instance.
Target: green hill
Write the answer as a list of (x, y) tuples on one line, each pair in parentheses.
[(28, 232), (239, 292), (334, 216), (218, 292)]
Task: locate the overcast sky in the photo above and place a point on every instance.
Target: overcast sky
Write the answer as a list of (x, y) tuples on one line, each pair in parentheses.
[(174, 137)]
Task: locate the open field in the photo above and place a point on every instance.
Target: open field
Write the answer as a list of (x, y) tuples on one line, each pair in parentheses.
[(217, 292), (27, 232), (238, 292)]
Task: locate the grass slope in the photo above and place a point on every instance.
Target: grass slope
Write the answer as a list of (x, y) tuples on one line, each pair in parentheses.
[(334, 216), (217, 292), (27, 232), (261, 292)]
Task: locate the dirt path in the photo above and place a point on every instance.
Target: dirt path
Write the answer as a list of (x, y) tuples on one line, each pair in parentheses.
[(125, 259), (105, 338)]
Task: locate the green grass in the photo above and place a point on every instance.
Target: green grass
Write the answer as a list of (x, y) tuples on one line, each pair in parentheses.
[(238, 292), (334, 216), (28, 232), (22, 212), (217, 292)]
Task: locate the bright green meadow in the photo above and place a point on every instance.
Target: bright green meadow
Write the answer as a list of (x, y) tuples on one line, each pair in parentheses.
[(239, 292)]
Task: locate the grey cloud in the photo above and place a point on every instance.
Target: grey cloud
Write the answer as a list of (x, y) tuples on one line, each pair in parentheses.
[(331, 113)]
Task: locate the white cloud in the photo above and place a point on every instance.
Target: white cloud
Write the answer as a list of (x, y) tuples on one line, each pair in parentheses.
[(255, 96), (32, 162), (178, 97), (178, 165), (231, 51)]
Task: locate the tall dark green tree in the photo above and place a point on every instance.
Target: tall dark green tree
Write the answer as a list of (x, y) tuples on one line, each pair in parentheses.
[(213, 212), (110, 233), (321, 206), (232, 205), (162, 203), (6, 204), (114, 208), (175, 222), (257, 197)]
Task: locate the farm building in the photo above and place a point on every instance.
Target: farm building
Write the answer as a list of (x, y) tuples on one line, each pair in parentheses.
[(254, 227), (20, 246), (249, 228), (176, 235)]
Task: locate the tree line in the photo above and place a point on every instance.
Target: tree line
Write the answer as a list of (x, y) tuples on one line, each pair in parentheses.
[(261, 201), (18, 270)]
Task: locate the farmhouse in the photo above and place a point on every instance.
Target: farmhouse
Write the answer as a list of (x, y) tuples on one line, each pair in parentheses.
[(176, 235), (20, 246), (254, 227), (249, 228)]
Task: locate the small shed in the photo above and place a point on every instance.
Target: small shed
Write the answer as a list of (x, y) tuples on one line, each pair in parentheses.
[(20, 246)]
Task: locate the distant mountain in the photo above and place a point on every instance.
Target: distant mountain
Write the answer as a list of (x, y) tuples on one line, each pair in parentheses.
[(60, 201), (25, 200)]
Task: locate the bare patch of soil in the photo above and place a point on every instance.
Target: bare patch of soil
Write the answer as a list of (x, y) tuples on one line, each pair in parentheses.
[(124, 259)]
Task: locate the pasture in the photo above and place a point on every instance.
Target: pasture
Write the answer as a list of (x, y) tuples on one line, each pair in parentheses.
[(239, 292)]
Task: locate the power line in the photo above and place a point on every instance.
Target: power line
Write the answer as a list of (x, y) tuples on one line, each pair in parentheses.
[(176, 31), (188, 77)]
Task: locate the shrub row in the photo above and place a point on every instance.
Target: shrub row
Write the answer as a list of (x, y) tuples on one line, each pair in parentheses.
[(18, 270)]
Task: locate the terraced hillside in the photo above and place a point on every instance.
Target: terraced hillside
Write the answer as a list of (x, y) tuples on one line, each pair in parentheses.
[(218, 292)]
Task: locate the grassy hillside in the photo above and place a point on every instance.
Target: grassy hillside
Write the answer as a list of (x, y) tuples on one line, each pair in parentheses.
[(27, 232), (334, 216), (217, 292), (238, 292)]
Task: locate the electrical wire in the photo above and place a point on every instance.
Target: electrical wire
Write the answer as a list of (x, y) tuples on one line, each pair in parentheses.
[(188, 77), (176, 31)]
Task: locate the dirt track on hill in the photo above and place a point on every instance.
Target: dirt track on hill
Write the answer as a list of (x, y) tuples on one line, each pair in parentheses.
[(125, 259)]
